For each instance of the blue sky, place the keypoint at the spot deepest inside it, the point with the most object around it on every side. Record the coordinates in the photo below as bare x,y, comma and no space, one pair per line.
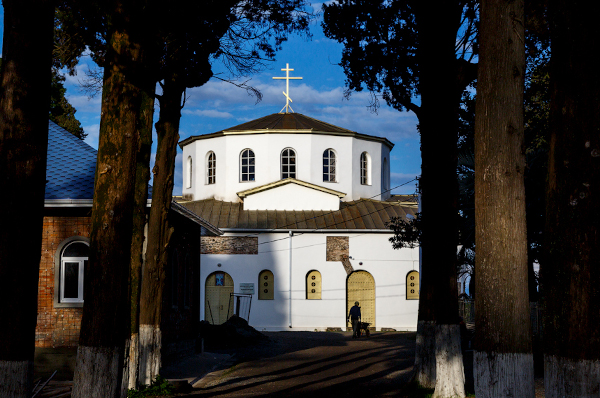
218,105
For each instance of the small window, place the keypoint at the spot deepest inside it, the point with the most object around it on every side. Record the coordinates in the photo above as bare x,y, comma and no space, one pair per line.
412,285
329,165
247,165
190,172
74,258
365,169
265,285
288,163
211,168
313,285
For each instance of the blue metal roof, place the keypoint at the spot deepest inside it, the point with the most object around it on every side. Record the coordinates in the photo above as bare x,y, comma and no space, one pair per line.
70,167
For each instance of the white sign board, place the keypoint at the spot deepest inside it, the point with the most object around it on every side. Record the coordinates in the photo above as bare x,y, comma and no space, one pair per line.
247,288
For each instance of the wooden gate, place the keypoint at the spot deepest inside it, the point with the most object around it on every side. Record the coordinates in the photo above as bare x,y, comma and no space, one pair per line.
218,305
361,287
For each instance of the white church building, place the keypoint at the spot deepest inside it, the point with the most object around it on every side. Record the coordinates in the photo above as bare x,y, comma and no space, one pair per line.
302,205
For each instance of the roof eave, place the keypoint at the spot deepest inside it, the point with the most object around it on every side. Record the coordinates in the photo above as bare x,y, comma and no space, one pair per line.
275,184
68,202
347,133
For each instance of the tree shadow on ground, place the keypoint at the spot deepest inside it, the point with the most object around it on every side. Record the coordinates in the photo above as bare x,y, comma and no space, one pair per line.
379,368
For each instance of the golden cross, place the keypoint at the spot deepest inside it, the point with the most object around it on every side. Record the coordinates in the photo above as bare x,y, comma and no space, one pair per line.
287,87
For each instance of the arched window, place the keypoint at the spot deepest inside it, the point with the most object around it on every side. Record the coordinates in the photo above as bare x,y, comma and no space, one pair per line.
313,285
190,173
288,163
211,168
412,285
329,165
265,285
73,259
365,169
247,165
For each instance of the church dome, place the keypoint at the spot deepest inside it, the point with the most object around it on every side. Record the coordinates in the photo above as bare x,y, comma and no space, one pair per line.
275,147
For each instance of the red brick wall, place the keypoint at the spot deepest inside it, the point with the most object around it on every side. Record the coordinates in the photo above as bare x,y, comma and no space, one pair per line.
57,326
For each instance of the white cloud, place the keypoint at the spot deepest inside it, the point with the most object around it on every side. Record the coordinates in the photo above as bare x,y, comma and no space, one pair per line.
93,132
404,182
207,113
85,104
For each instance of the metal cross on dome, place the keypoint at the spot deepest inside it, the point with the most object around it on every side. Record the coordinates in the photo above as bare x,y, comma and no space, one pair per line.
287,78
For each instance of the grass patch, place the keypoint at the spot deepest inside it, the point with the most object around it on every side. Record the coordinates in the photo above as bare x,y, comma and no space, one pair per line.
160,387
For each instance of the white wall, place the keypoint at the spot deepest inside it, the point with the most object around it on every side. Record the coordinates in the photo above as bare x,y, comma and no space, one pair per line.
292,197
389,268
267,149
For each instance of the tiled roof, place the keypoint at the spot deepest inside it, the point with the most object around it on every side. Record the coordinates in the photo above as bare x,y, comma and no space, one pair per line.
361,214
70,167
286,123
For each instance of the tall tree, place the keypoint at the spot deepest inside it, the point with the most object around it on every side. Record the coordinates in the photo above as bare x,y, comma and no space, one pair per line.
244,33
24,107
503,359
138,239
569,271
61,111
396,48
105,326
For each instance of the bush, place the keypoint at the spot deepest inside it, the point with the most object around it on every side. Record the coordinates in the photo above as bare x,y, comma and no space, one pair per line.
159,387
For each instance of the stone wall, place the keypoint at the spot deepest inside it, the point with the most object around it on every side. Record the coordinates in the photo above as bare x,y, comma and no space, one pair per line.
229,245
338,248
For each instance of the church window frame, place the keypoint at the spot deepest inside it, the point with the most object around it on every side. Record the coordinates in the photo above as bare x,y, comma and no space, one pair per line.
329,165
365,168
289,165
314,285
247,165
266,283
385,176
70,264
190,172
211,168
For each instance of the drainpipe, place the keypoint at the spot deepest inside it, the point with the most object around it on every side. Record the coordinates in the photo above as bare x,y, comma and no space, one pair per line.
290,309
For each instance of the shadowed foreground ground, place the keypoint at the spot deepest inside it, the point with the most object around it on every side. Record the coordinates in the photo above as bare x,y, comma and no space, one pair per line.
305,364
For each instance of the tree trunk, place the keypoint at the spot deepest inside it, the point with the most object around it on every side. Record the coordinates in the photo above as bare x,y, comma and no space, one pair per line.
159,231
104,325
569,272
425,350
438,124
138,241
24,108
503,360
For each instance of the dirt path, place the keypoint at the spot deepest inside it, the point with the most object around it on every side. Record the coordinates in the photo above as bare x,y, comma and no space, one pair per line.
303,364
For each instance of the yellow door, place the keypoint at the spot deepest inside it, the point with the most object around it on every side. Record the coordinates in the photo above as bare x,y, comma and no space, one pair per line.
218,303
361,288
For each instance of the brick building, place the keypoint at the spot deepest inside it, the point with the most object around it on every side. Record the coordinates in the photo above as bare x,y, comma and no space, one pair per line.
68,202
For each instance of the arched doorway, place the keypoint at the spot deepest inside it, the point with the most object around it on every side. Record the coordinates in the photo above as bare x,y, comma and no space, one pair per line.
218,304
360,287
